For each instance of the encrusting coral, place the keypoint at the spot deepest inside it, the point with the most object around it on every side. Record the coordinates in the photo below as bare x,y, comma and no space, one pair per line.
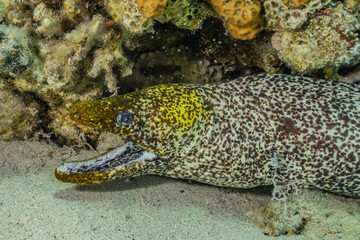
307,49
279,16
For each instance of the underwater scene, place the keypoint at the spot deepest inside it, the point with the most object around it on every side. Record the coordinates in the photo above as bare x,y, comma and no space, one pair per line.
180,119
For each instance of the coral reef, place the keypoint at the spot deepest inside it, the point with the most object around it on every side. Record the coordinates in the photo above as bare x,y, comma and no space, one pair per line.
354,8
242,18
67,74
18,118
65,51
233,55
307,49
139,16
63,60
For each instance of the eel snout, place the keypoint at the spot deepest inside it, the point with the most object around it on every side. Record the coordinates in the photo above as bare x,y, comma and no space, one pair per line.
127,161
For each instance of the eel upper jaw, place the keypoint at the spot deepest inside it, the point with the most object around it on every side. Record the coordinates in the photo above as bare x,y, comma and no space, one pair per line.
128,160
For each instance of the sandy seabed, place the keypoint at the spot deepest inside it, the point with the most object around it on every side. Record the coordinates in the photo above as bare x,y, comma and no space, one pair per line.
34,205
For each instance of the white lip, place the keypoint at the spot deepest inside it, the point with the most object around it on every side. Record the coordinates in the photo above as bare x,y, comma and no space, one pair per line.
126,154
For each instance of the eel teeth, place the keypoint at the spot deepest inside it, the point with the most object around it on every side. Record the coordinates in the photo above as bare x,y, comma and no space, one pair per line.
126,161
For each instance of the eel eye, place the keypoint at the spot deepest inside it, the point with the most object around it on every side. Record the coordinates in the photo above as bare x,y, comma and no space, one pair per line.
124,118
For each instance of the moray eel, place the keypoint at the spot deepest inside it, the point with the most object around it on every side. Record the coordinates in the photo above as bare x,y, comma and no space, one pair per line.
255,130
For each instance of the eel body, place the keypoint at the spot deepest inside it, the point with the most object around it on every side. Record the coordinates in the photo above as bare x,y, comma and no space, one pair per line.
256,130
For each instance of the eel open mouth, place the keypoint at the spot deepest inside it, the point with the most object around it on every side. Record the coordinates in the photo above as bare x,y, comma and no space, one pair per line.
126,161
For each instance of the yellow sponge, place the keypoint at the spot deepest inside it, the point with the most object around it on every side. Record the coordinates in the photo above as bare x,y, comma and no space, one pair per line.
151,8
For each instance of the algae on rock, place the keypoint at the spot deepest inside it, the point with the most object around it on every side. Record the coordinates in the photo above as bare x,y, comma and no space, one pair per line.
309,213
18,119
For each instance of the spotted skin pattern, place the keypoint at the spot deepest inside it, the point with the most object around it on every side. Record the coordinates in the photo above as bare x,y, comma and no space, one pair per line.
256,130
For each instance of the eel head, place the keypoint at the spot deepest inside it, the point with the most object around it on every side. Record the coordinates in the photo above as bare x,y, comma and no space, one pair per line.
155,121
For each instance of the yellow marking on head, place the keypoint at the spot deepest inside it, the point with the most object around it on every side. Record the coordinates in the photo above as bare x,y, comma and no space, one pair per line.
181,112
161,114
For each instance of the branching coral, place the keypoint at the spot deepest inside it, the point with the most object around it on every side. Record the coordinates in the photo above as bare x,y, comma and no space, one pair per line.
105,59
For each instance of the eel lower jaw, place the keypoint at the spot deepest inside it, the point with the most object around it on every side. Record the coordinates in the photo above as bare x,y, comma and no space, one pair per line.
126,161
